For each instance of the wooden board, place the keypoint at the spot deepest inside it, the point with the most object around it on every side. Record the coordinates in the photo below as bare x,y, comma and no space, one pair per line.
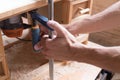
116,76
71,71
3,63
57,11
9,8
1,46
4,73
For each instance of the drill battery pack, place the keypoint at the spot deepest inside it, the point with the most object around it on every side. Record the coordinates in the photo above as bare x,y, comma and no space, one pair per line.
13,33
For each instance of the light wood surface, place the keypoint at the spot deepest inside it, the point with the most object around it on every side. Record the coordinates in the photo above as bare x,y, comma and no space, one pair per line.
71,71
4,69
3,64
71,9
9,8
1,46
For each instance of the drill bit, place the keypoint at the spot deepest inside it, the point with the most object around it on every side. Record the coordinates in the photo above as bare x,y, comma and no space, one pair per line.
51,17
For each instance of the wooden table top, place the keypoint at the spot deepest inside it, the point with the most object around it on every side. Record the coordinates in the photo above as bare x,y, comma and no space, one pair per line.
9,8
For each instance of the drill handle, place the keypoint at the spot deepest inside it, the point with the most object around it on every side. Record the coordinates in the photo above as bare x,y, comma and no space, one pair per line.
35,36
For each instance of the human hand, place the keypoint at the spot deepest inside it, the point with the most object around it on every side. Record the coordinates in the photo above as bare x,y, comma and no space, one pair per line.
60,47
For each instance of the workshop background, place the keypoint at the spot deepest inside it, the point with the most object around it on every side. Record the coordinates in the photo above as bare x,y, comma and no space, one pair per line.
20,62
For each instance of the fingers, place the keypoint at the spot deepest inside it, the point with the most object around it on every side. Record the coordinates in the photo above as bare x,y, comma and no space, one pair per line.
58,28
61,31
41,44
43,29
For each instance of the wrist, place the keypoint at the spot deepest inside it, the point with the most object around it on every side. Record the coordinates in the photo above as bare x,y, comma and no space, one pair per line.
68,27
80,52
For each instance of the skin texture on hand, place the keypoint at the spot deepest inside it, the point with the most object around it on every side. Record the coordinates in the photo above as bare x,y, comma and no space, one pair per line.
61,47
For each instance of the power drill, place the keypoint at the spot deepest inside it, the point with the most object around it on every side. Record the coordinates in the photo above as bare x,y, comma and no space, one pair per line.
12,27
35,28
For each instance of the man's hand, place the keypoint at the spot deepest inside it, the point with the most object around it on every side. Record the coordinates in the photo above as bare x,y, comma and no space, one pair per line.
60,47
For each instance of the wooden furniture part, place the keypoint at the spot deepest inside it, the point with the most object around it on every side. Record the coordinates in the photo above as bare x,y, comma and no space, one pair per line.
74,8
19,7
4,72
1,46
57,11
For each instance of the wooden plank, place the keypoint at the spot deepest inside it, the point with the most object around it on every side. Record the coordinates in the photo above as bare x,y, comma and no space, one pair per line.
71,71
116,76
19,6
70,9
5,73
57,11
79,1
66,11
1,46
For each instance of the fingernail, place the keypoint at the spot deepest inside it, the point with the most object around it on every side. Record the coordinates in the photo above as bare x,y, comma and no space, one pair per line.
49,22
36,47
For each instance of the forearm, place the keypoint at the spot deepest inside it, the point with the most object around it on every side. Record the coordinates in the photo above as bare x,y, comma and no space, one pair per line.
104,57
106,19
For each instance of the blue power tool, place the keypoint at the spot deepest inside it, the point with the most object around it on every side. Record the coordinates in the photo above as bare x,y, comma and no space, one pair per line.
35,27
36,31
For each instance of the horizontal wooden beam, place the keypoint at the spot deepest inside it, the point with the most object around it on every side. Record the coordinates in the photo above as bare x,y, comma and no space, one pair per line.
8,9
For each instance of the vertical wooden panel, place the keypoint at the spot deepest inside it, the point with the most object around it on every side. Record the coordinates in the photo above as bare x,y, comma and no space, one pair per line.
66,11
1,46
4,73
71,9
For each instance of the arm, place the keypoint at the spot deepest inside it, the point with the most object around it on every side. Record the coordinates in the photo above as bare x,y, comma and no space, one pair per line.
105,57
106,19
65,47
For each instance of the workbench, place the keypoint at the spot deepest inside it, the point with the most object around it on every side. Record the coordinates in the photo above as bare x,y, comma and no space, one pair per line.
8,9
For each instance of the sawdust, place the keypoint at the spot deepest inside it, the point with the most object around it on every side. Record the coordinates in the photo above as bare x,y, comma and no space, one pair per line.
22,60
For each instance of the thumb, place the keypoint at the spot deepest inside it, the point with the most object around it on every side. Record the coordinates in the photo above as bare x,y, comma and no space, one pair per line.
58,28
61,31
